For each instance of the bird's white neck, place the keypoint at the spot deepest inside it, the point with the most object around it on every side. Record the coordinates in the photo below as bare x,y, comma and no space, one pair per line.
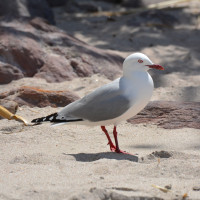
135,74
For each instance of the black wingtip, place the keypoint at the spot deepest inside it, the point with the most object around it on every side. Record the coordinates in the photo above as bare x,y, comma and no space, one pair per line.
53,118
44,119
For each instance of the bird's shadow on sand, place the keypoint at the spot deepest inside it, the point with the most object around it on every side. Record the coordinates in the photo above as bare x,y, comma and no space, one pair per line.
91,157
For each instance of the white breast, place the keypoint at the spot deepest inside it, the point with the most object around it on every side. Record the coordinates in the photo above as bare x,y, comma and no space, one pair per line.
139,90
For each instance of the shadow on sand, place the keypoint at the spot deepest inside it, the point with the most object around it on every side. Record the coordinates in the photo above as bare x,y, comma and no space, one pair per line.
90,157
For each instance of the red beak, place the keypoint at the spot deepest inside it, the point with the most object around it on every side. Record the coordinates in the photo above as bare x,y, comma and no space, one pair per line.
159,67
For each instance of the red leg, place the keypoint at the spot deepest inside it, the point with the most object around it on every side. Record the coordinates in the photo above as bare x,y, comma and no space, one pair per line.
112,146
116,140
117,150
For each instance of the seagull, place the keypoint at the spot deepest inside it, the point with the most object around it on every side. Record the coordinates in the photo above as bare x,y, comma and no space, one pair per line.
112,103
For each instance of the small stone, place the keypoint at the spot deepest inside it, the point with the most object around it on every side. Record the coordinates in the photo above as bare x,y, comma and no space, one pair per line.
196,188
169,187
162,154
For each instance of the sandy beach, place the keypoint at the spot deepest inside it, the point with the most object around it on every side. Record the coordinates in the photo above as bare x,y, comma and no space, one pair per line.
73,161
64,162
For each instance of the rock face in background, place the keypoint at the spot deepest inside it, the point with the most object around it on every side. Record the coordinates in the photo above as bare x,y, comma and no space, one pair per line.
14,9
31,96
56,3
73,6
156,18
37,49
8,73
89,6
170,114
132,3
126,3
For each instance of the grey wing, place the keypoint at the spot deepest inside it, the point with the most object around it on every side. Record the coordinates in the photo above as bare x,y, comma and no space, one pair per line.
107,102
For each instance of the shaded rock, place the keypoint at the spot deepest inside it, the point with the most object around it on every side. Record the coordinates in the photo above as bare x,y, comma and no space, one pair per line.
8,73
154,18
112,1
132,3
81,6
26,8
87,6
147,2
37,49
126,3
56,3
31,96
42,25
170,114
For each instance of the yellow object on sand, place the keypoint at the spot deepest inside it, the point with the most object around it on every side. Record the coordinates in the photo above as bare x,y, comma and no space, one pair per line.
161,188
8,115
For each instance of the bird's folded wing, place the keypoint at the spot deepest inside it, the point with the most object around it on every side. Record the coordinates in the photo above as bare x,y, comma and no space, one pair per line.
105,103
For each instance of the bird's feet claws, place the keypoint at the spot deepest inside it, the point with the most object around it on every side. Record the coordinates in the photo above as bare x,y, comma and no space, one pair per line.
114,149
119,151
112,146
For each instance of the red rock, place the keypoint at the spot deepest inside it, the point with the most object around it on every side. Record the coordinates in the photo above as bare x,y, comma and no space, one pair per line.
31,96
38,49
170,114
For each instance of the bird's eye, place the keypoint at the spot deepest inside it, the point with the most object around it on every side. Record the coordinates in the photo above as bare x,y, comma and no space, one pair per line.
140,61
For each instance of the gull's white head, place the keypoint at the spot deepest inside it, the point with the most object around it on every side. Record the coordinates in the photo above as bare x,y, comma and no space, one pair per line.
139,62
